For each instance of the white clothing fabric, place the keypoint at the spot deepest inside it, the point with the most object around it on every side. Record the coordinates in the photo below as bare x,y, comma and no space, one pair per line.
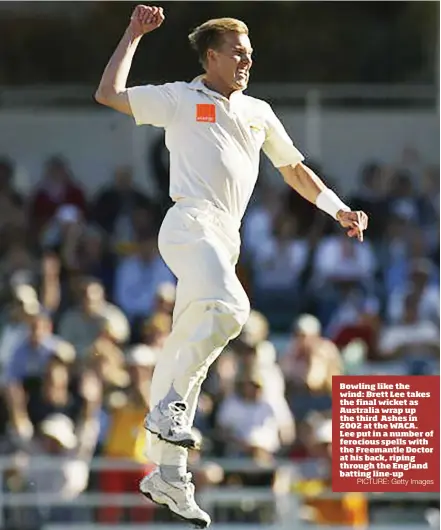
428,307
201,246
339,258
81,329
69,478
253,422
420,334
214,145
274,394
257,229
279,265
214,142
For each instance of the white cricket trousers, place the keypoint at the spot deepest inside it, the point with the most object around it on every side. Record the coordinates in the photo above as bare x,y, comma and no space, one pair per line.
200,244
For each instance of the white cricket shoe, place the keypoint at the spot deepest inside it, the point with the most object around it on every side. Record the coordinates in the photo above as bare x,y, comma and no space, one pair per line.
172,425
177,496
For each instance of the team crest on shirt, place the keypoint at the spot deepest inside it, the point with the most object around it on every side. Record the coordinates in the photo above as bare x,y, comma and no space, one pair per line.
206,112
255,126
257,130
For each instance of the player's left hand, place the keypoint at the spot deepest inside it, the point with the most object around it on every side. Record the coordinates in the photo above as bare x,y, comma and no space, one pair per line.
357,223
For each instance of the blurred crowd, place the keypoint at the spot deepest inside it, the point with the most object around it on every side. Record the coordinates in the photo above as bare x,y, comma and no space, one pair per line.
87,303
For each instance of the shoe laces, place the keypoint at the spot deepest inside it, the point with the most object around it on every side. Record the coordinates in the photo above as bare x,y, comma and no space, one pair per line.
179,414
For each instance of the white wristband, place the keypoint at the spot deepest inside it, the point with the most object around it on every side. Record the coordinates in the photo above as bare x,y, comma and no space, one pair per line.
328,201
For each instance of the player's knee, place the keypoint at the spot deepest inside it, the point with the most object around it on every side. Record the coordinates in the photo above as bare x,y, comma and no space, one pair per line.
242,312
233,316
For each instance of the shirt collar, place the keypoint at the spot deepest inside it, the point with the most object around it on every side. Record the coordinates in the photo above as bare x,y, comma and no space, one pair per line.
199,85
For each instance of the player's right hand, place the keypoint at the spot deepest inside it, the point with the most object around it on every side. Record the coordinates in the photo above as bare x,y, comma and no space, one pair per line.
357,223
145,19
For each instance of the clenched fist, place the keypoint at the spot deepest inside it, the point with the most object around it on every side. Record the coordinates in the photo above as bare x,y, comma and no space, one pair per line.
357,223
145,19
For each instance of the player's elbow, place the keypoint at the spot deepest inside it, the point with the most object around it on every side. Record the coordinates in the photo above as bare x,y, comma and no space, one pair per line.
291,173
101,98
105,94
114,99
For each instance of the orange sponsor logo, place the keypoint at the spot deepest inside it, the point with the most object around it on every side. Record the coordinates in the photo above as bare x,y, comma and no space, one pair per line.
206,112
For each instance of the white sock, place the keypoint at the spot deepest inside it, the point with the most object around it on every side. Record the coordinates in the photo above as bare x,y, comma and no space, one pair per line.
172,473
173,462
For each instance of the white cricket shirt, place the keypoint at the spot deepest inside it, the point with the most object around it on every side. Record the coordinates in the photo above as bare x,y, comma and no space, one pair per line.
214,142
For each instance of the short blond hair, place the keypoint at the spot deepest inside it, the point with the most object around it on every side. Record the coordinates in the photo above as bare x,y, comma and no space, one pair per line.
210,34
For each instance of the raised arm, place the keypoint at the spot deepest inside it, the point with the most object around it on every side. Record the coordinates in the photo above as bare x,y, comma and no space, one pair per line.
112,90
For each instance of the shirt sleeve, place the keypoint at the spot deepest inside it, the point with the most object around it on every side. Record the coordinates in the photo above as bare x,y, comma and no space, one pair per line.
154,104
278,146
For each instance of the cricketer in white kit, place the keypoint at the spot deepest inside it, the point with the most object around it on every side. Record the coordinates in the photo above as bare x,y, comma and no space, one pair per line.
214,134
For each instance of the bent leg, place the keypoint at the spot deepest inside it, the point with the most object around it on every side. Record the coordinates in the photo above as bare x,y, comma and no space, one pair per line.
211,309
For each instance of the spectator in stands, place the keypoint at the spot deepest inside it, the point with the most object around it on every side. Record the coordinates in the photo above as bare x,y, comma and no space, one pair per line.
18,266
277,266
421,271
113,206
222,378
165,298
95,259
248,426
56,462
125,436
415,339
411,161
55,189
55,395
247,423
144,223
107,359
402,199
155,330
308,366
66,223
259,219
138,278
79,246
397,269
141,224
7,188
393,251
25,369
356,317
255,352
82,324
220,384
340,261
15,322
14,327
349,509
